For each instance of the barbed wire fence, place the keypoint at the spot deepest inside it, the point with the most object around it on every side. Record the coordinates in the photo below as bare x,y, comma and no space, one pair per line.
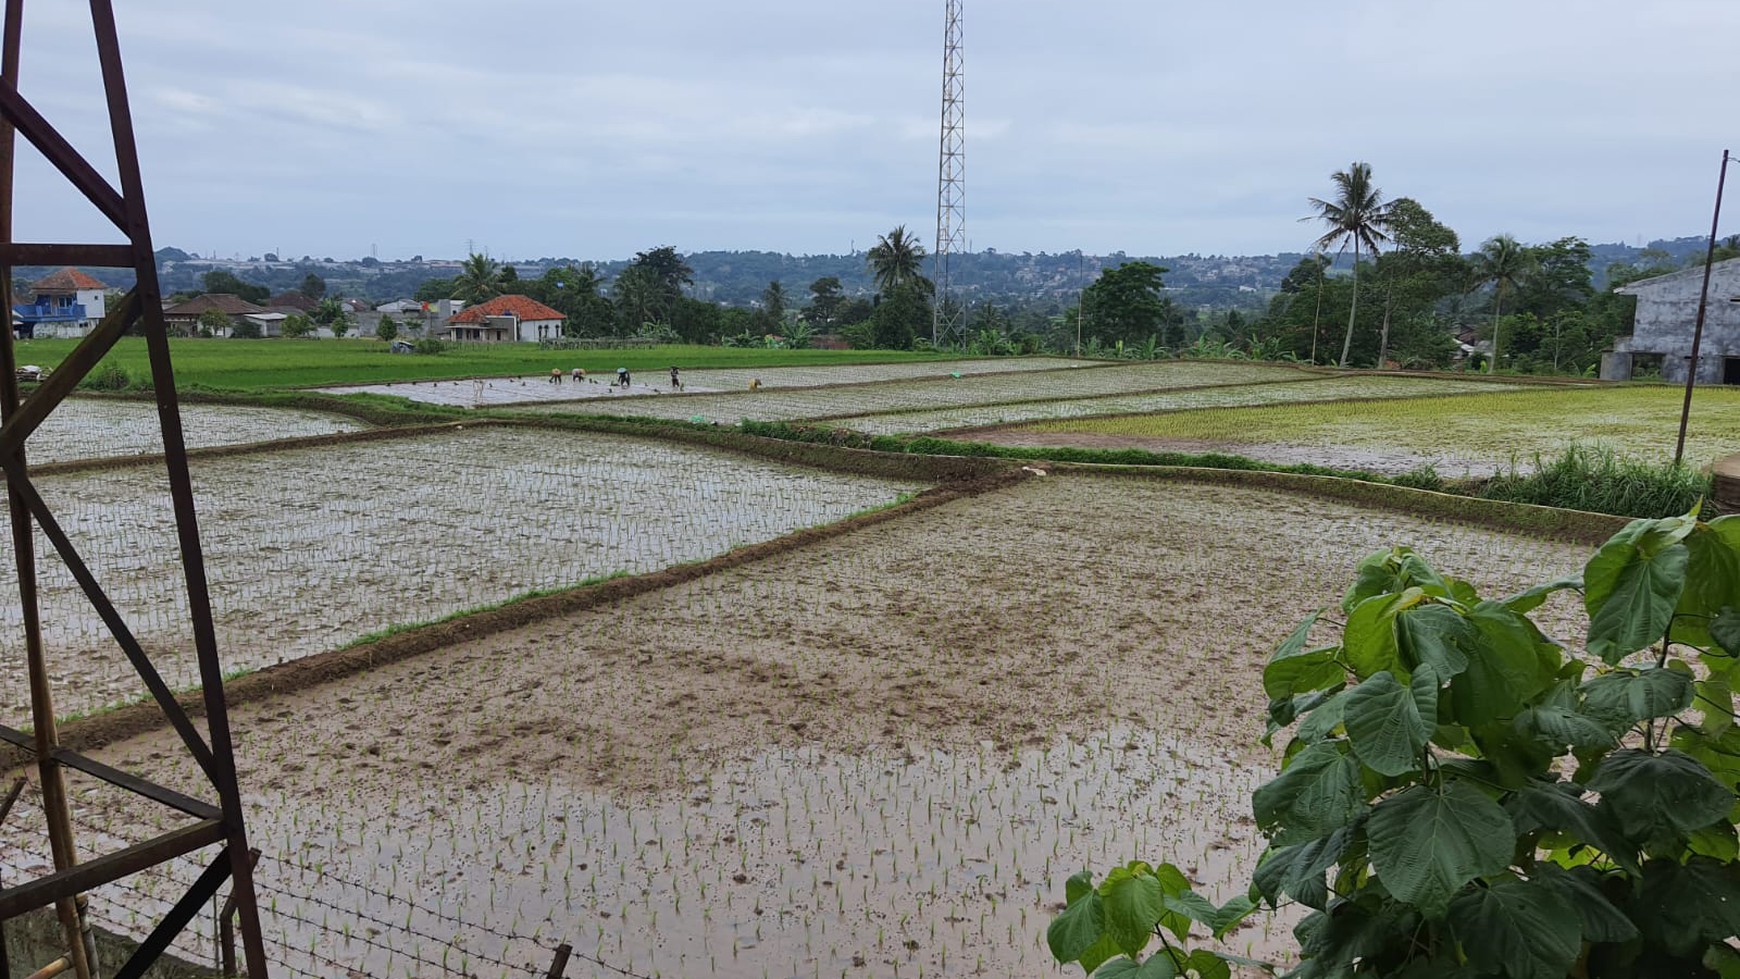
318,924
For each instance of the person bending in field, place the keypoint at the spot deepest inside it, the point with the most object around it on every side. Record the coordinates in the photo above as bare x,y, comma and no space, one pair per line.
676,385
579,374
755,384
622,377
555,375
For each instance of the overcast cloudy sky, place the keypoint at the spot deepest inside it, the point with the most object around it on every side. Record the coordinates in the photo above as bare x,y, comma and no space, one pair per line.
591,130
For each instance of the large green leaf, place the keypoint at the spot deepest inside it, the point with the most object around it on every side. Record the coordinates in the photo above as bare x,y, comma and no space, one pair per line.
1302,670
1317,793
1436,636
1231,914
1323,719
1632,586
1580,887
1298,871
1158,966
1659,796
1078,886
1134,901
1559,806
1520,929
1528,601
1630,696
1505,666
1559,728
1077,929
1393,571
1389,724
1712,580
1725,630
1208,965
1369,639
1685,907
1427,843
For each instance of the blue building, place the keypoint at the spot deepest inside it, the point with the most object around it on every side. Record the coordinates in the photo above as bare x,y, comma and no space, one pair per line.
67,303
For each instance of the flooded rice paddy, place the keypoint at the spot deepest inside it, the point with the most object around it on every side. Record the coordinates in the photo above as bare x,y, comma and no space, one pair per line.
311,548
879,756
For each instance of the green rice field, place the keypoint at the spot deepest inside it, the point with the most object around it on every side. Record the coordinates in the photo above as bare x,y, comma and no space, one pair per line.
1480,430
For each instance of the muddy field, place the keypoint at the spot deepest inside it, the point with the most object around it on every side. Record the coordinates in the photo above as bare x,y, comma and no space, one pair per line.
312,548
836,402
878,757
89,428
487,392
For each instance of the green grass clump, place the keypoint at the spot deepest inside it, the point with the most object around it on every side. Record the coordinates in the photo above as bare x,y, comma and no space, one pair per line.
1598,479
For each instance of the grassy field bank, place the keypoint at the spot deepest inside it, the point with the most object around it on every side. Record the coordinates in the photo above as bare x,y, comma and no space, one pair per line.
249,365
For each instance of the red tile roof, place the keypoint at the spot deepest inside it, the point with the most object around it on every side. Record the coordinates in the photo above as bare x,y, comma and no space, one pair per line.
66,280
223,302
519,307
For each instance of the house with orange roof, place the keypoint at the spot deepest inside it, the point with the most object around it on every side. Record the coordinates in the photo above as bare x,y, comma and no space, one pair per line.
67,303
506,319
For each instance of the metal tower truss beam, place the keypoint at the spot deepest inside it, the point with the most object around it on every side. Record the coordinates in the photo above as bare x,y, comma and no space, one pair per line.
949,318
212,825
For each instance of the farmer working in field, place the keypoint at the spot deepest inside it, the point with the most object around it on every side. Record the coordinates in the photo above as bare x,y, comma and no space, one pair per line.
555,375
755,384
579,374
676,385
622,377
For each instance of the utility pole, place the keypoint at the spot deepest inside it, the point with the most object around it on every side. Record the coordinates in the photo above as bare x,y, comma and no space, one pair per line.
948,327
1703,303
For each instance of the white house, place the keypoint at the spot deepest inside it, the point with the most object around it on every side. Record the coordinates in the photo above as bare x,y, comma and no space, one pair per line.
505,319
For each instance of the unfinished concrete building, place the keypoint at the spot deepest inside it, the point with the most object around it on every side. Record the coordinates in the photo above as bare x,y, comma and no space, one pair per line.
1660,344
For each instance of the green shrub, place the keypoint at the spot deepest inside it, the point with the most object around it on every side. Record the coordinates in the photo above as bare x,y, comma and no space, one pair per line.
429,345
245,330
107,376
1463,797
1595,478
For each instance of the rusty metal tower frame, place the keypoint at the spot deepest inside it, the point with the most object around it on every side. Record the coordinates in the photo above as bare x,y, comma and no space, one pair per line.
141,310
948,327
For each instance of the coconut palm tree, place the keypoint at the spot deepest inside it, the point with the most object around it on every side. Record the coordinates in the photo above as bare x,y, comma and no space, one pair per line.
479,279
1502,262
1358,214
897,259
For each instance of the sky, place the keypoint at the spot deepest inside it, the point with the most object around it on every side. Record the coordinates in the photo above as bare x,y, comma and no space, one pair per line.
582,129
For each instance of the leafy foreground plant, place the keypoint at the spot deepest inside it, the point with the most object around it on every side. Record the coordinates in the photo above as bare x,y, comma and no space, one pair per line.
1464,797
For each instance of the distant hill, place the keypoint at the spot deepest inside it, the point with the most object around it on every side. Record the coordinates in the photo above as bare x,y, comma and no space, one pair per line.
738,278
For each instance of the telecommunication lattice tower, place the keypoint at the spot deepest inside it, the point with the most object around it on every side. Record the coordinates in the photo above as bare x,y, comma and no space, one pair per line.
205,824
949,316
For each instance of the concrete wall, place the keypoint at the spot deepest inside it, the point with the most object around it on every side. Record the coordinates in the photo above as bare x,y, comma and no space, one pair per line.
34,940
1667,311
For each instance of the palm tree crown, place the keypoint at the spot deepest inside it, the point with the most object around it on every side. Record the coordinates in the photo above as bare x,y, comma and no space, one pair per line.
897,259
1358,214
1503,262
479,280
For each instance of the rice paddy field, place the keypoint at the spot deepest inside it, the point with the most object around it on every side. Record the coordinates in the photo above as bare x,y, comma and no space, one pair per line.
89,428
1461,435
965,422
874,752
811,403
310,548
501,391
879,756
